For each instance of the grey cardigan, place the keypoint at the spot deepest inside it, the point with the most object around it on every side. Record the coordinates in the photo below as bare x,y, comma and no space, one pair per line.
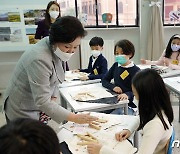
34,81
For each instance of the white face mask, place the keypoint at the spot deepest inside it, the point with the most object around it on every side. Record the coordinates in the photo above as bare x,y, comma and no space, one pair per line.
95,53
63,55
54,14
136,102
175,47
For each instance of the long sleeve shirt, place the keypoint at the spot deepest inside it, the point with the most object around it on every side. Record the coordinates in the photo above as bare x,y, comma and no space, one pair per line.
122,78
154,139
174,60
98,69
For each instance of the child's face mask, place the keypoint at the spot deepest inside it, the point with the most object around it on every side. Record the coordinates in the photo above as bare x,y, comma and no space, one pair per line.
121,59
95,53
175,47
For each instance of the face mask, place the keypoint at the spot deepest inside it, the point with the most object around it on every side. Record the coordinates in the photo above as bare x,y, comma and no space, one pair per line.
95,53
63,55
121,59
54,14
136,102
175,47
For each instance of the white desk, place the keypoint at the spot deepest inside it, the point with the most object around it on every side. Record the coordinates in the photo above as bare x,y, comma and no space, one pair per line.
78,82
84,106
105,136
173,84
169,72
72,79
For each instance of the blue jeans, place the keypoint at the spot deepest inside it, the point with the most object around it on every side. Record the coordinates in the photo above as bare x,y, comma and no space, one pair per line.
120,111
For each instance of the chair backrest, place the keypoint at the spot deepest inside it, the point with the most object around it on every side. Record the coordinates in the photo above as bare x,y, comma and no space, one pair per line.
169,151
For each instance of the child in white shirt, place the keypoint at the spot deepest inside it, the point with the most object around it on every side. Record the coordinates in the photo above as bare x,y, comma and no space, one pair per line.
171,56
155,116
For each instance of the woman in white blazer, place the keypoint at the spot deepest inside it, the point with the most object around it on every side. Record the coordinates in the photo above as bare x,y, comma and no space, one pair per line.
34,83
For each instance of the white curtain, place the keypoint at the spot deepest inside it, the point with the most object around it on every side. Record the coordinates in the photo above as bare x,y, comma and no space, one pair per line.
155,45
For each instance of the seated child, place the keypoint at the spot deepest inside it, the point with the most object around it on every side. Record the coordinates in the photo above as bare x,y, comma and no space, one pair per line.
97,66
27,136
155,116
122,72
171,56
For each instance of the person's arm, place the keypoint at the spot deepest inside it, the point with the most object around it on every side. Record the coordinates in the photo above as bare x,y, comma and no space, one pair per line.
152,134
87,70
39,73
160,61
38,33
130,95
103,72
56,92
106,81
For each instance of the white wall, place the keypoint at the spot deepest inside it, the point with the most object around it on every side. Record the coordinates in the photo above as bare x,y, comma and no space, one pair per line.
137,35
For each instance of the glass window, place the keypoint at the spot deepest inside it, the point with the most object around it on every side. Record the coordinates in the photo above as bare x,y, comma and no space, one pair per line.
171,12
106,6
87,12
127,12
99,13
67,7
120,7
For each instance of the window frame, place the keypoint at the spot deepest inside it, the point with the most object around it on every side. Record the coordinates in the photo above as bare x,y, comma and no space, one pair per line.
163,15
117,23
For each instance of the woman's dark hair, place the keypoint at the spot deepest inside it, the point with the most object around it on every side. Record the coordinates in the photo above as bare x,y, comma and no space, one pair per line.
47,16
153,97
27,136
168,51
127,47
95,41
65,30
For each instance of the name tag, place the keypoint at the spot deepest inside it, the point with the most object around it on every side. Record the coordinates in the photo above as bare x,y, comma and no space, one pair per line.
124,74
175,62
95,71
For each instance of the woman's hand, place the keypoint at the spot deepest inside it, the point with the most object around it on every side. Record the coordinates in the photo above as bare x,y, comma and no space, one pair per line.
117,90
94,148
143,61
124,134
81,118
122,97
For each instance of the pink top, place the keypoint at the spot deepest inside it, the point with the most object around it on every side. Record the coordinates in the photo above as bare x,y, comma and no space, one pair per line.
174,60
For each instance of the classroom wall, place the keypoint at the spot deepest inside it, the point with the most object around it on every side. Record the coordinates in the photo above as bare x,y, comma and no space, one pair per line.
137,35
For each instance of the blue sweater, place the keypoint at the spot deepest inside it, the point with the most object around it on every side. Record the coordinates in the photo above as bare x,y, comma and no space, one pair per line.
125,84
99,68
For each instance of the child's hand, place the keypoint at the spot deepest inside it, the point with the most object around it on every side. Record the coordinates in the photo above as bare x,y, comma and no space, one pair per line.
94,148
74,71
117,90
143,61
166,62
84,78
122,97
124,134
